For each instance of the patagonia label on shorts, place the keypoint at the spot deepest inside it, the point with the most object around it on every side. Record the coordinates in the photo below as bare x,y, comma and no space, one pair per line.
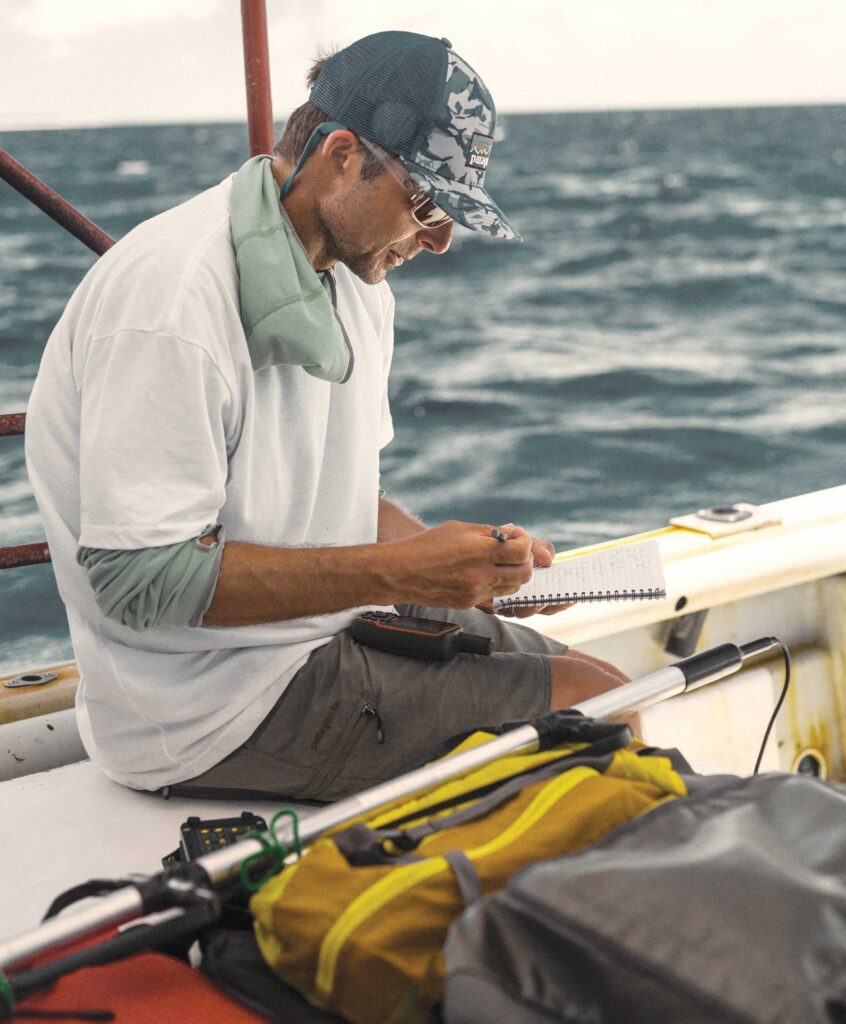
326,724
480,151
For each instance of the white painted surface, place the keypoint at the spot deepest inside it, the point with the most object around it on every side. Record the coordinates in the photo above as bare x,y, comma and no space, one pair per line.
39,743
720,728
69,825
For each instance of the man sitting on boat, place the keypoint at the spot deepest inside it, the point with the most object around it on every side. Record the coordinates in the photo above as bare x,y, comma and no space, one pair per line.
203,442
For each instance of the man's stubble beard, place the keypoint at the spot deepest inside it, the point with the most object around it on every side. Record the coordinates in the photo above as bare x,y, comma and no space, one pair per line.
338,245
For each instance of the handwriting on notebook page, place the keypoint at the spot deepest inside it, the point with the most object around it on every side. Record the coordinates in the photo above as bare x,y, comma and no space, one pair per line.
629,572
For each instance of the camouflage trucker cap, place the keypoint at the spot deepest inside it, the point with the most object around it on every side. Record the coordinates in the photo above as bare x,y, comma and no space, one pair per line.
415,97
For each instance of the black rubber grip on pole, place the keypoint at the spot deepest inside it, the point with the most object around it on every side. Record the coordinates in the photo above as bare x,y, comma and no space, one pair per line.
704,664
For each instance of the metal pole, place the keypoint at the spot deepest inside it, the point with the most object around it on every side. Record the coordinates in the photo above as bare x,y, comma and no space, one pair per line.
20,554
691,673
24,554
257,76
53,205
12,423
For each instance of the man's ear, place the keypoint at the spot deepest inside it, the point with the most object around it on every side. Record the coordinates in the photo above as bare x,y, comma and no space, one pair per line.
340,150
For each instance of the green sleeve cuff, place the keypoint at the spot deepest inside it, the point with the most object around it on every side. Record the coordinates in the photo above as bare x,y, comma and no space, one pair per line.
171,585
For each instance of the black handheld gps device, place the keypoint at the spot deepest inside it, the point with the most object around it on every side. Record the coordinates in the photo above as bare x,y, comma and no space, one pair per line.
419,638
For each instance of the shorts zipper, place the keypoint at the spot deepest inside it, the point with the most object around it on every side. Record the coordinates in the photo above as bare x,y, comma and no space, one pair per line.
369,710
366,710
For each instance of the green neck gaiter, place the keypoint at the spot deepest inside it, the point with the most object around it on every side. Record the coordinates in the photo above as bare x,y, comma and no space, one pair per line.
286,312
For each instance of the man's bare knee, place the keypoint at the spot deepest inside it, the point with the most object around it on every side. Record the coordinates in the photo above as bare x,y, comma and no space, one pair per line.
577,677
606,666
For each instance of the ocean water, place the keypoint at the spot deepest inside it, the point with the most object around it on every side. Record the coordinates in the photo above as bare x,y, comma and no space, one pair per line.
669,335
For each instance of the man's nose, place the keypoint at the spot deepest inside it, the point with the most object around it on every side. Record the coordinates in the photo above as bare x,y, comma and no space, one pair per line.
436,240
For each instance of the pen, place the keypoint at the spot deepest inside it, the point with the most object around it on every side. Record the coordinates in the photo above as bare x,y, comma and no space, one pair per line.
498,535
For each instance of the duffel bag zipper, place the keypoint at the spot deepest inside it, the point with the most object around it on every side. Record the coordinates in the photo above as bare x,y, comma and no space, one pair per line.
400,879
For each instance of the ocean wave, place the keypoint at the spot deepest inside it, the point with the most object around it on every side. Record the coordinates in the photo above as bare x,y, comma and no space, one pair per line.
597,260
133,168
710,226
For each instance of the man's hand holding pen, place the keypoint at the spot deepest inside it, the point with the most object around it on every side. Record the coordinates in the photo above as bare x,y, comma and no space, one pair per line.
543,553
464,565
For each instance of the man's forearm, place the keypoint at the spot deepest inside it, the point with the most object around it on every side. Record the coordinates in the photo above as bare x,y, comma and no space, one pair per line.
454,565
395,523
263,584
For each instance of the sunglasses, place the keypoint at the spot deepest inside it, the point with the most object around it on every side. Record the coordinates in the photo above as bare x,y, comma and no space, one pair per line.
424,210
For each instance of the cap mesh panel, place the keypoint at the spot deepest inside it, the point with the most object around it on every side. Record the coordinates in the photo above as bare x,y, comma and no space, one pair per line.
389,98
392,88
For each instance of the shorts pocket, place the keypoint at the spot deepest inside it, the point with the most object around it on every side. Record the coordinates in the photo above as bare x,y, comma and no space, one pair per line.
362,721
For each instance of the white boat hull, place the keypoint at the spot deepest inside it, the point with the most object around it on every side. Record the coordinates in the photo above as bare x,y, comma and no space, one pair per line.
784,580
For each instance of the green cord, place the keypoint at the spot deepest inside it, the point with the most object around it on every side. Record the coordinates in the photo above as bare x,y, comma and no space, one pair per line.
6,993
270,844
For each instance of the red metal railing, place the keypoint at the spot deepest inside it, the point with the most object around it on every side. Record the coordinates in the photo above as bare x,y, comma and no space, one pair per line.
24,554
257,76
12,423
53,205
260,127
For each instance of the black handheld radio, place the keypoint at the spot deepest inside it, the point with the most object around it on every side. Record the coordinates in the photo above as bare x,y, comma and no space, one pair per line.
419,638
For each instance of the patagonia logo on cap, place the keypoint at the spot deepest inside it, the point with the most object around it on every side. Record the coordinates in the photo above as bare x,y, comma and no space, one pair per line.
480,151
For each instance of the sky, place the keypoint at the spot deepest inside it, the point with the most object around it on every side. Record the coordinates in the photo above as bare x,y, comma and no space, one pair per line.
66,63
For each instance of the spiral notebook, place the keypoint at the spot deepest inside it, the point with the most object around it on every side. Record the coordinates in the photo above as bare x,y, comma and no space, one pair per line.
630,572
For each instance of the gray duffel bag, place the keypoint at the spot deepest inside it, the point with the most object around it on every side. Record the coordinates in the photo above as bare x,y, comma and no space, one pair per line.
726,906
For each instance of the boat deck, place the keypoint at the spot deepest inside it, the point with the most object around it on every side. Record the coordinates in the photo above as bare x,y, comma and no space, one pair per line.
72,824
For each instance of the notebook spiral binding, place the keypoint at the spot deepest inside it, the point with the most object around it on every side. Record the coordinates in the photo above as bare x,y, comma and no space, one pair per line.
583,597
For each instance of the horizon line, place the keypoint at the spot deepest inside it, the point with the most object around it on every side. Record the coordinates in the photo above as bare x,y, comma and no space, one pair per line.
56,125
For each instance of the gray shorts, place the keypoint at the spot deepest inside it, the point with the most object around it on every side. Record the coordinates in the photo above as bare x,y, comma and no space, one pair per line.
354,715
